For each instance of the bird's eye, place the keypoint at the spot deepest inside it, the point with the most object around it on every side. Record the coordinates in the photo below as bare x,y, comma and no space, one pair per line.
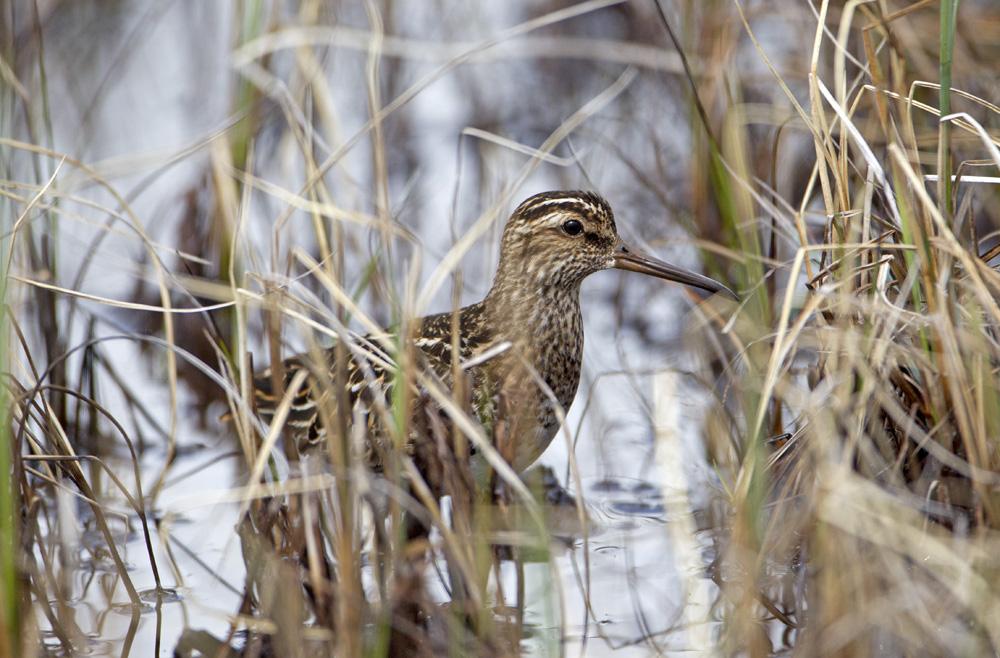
573,227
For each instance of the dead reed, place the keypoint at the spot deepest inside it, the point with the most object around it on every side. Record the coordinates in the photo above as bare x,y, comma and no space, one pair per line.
837,163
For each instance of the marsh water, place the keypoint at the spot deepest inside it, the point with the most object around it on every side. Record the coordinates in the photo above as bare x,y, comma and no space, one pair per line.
640,595
138,90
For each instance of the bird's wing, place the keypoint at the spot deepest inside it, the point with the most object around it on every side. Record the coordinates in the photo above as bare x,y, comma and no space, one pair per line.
366,370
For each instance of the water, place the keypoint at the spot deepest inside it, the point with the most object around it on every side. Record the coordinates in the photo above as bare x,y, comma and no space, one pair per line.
157,80
636,586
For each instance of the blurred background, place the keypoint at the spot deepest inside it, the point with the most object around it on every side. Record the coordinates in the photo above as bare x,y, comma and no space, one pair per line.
200,155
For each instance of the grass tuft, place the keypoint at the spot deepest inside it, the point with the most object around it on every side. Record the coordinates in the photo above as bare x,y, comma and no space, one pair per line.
836,163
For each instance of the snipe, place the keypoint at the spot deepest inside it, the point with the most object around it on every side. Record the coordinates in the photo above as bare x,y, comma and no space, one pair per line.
520,348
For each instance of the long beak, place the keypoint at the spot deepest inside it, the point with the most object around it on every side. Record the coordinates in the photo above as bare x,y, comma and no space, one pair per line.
627,258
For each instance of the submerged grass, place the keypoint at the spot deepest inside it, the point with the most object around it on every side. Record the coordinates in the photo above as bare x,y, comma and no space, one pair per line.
843,177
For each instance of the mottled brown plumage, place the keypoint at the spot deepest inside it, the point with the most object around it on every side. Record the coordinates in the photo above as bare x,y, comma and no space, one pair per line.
520,348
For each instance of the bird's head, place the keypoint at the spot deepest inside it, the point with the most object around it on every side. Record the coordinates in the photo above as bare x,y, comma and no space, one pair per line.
560,238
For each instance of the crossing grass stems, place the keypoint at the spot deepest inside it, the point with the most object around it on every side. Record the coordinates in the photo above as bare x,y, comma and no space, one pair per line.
853,433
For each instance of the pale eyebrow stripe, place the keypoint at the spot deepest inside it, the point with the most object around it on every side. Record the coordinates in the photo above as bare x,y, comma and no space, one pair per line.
560,204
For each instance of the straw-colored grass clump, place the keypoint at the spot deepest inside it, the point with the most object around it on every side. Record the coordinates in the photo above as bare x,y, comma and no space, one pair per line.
836,163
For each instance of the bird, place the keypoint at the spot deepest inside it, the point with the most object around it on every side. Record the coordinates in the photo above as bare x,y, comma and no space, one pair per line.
519,349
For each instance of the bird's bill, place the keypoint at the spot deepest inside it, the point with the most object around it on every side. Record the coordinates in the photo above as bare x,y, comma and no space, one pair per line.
627,258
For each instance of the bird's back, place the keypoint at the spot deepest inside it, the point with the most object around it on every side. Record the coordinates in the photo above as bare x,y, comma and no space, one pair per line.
368,377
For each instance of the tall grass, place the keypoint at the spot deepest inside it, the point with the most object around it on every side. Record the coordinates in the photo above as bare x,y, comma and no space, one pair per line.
10,581
860,462
838,167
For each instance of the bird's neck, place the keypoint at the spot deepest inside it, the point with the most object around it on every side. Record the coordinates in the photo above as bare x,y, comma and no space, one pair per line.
545,327
530,289
530,312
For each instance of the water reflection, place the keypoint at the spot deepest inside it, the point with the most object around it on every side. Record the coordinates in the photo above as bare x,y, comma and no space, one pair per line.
618,584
